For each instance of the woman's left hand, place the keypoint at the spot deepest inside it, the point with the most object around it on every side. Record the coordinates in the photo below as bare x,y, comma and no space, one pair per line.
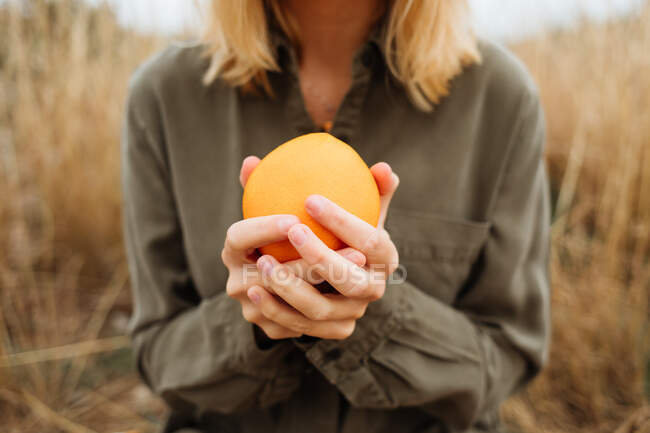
331,316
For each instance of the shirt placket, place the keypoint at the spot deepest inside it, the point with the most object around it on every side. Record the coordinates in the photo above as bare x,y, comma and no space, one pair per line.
347,119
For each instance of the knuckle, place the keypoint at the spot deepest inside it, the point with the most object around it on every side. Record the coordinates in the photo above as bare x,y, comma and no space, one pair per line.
393,262
360,258
251,315
303,327
361,311
314,279
270,312
345,330
377,292
274,333
384,237
370,291
231,237
297,268
361,285
320,258
284,277
231,287
319,313
371,296
315,273
226,257
288,333
374,241
350,328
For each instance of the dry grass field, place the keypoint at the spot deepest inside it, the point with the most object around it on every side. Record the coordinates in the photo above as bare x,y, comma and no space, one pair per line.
64,362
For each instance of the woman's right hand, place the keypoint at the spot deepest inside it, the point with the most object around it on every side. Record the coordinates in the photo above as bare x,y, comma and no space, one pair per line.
240,255
242,239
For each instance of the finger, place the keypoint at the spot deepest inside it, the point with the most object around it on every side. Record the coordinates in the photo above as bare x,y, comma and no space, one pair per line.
285,316
236,285
306,298
277,332
274,331
387,182
373,242
346,277
382,172
384,201
304,270
248,165
241,278
244,236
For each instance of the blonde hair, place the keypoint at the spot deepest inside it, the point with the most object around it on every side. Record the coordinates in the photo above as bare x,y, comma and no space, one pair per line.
426,43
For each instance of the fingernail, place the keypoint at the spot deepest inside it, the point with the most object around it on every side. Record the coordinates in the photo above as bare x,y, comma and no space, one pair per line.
298,236
287,222
265,265
353,256
254,296
314,205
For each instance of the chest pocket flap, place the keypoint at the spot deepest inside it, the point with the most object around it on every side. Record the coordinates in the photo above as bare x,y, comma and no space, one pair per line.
436,251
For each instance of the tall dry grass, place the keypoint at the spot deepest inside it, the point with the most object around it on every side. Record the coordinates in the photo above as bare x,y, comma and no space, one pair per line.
595,85
63,76
64,69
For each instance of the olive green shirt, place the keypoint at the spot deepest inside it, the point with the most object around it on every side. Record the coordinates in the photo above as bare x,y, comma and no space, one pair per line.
440,351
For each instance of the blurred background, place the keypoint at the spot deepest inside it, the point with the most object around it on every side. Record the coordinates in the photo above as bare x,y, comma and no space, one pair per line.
65,363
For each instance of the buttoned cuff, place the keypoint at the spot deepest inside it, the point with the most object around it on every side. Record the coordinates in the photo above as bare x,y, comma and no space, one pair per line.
344,362
259,360
275,365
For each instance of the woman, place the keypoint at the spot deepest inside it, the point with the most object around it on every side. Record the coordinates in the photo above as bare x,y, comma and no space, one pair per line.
400,81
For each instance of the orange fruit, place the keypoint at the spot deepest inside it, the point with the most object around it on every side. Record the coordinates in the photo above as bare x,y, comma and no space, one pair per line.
317,163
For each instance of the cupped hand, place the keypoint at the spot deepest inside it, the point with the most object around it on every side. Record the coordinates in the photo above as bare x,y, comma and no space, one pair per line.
302,308
239,255
242,238
299,266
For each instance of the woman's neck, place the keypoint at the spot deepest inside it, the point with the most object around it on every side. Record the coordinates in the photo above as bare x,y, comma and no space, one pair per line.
331,30
330,33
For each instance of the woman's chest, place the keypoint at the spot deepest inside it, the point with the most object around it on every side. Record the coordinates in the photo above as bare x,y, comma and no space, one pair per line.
437,218
323,90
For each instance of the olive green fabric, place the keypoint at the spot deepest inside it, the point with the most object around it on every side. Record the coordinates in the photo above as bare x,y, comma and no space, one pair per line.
441,350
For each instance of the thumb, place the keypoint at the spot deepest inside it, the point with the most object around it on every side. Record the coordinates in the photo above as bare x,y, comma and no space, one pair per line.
387,182
247,167
385,201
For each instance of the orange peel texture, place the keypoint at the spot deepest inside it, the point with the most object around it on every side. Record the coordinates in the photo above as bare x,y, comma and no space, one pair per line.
317,163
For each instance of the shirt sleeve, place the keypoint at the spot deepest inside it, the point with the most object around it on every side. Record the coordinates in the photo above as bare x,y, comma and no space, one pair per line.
460,362
197,353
